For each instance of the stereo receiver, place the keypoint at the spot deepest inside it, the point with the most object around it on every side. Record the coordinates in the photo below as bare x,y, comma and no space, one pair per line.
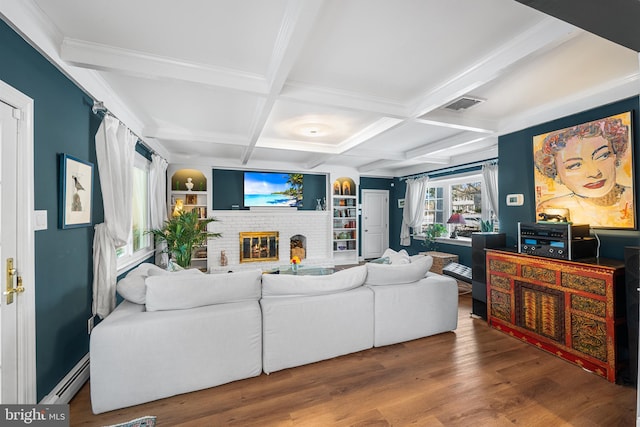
556,240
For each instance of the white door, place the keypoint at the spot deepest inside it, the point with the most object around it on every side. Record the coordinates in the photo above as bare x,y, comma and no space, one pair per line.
17,310
375,223
9,304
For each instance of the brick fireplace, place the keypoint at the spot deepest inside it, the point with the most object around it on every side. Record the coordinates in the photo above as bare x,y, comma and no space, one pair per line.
314,226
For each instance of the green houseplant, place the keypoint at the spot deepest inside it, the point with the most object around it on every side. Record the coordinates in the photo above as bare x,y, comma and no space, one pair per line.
182,233
430,233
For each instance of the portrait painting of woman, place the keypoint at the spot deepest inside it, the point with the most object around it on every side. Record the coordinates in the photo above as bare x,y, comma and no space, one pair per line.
587,169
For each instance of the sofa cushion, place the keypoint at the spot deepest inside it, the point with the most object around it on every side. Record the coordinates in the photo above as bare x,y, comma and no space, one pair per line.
294,285
132,287
396,274
182,291
400,257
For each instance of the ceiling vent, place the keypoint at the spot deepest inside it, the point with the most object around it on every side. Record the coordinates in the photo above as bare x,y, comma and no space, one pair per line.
463,103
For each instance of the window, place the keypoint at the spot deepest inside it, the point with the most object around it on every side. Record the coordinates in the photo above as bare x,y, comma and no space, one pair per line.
139,244
462,194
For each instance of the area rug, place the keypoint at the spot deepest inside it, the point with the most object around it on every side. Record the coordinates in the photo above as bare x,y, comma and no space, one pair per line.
147,421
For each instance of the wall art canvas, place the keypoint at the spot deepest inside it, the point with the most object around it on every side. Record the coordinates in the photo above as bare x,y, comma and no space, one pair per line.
585,174
76,192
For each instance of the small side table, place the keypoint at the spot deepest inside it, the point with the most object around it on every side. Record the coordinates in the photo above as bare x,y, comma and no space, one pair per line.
440,259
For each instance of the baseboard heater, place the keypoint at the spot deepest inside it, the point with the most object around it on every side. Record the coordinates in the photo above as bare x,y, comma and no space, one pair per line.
70,384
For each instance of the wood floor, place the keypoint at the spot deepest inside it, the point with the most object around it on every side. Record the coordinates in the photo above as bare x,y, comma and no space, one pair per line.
476,376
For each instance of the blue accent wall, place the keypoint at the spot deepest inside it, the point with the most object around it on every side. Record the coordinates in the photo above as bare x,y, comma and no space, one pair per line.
516,175
63,123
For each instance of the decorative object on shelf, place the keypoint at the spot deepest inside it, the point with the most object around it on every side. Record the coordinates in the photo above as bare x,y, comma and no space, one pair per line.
192,199
456,219
76,192
324,203
182,233
295,262
178,208
223,258
177,185
318,204
346,188
189,184
336,188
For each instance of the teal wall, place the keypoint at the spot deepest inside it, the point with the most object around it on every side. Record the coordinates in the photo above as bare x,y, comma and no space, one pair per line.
228,189
63,124
516,175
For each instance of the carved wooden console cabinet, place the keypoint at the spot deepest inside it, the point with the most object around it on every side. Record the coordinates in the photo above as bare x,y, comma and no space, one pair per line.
574,310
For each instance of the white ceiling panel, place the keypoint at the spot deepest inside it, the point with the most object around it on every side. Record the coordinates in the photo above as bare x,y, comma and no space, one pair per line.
315,84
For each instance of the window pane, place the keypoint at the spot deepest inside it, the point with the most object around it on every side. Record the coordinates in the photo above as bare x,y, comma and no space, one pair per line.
140,209
466,198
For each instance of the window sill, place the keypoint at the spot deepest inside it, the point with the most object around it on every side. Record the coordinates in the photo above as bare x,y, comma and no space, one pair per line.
460,241
126,264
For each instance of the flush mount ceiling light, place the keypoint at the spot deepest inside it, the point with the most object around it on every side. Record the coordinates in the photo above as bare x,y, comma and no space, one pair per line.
312,130
314,127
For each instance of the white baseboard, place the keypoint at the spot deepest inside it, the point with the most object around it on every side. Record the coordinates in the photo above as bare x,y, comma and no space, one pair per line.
64,391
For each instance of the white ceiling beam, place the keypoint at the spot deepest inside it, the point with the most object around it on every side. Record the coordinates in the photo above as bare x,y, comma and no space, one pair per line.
101,57
297,24
173,134
461,121
458,140
547,34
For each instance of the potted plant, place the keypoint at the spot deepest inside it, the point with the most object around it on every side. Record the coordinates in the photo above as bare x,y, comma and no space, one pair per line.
182,232
430,233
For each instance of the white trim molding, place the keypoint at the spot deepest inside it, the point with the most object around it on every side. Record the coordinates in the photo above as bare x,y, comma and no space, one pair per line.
64,391
26,249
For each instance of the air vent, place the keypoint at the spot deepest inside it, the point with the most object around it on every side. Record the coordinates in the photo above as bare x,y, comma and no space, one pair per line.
463,103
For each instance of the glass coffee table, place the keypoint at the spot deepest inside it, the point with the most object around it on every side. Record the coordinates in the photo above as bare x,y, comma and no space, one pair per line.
303,270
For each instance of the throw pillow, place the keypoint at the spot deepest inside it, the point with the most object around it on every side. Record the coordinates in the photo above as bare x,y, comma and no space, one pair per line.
397,274
183,291
400,257
294,285
133,288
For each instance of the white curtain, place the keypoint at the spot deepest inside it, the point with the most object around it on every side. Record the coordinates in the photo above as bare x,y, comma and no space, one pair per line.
158,202
115,150
413,212
490,202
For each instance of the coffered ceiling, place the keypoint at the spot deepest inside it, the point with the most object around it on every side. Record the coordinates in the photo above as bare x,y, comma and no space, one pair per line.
310,84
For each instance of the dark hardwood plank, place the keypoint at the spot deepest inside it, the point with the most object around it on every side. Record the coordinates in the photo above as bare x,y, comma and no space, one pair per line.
475,376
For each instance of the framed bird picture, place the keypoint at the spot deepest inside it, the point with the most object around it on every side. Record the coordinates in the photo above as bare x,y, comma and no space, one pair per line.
76,192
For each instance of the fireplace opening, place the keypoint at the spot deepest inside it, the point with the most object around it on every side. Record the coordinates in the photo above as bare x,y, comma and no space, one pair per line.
298,245
258,246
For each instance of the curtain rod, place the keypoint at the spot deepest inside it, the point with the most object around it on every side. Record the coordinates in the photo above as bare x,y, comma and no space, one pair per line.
451,169
98,107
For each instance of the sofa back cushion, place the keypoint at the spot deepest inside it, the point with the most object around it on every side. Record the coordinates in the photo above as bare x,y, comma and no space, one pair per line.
397,274
132,287
171,292
294,285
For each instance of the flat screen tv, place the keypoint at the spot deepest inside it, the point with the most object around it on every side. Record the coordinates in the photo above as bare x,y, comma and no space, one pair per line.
272,189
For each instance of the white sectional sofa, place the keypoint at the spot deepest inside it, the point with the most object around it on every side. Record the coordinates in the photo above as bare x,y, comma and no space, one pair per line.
195,331
181,332
306,319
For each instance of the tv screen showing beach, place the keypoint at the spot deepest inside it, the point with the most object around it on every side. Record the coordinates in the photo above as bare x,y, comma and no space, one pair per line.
272,189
